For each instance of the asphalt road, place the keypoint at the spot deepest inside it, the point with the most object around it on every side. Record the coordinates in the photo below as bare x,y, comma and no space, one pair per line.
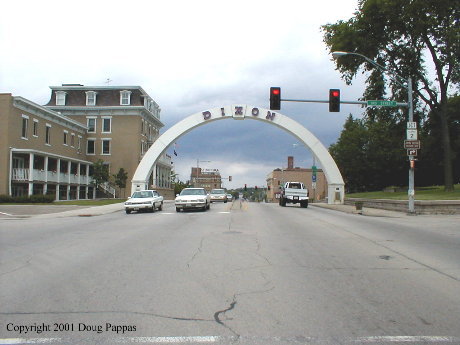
237,274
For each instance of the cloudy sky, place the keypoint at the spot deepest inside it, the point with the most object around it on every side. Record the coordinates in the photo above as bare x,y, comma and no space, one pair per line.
189,56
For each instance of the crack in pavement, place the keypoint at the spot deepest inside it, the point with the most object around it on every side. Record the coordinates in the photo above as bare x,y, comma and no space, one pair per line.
180,318
219,321
196,253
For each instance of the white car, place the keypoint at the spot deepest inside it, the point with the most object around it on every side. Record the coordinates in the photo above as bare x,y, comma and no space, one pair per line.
148,200
229,197
218,195
193,198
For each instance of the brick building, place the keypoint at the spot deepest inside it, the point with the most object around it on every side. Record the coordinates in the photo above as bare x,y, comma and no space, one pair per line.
279,176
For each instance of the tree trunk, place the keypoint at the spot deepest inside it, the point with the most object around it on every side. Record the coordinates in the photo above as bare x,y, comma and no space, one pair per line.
447,149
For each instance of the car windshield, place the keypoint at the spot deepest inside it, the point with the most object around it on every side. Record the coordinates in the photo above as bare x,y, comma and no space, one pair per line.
143,194
218,191
193,192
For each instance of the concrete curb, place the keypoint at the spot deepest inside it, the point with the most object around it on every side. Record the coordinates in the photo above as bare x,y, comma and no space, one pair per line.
371,212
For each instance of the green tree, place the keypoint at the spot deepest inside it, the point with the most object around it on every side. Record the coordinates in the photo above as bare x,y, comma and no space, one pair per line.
120,179
100,173
405,36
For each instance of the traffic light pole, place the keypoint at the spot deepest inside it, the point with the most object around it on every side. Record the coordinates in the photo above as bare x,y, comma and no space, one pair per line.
398,104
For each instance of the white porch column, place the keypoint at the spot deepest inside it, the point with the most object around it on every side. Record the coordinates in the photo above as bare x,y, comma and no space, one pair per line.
58,172
45,186
79,181
31,174
69,165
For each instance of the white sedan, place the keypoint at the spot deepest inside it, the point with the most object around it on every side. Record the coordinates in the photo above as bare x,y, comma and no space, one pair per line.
193,198
144,200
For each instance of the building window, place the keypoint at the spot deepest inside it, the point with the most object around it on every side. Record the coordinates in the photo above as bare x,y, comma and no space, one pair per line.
105,146
79,143
60,97
91,124
48,134
35,128
65,137
91,147
90,98
25,126
125,97
106,125
72,140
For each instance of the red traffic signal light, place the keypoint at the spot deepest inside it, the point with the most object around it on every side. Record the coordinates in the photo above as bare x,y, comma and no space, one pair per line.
275,98
334,100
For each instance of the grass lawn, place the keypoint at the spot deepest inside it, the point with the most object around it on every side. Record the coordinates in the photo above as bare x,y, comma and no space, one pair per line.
421,193
98,202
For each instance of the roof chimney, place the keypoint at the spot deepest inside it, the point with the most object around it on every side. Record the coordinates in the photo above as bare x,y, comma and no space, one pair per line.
290,162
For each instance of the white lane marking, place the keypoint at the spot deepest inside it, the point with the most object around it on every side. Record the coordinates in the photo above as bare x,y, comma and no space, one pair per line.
6,214
224,212
215,339
174,340
402,339
29,341
166,213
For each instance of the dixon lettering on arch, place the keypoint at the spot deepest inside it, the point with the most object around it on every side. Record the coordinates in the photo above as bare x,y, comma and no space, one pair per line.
238,112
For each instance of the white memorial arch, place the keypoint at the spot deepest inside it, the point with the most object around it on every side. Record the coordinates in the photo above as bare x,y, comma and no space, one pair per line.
241,112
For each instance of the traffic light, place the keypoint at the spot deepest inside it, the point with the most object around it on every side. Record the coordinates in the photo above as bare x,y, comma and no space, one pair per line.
245,188
256,187
334,100
230,179
275,98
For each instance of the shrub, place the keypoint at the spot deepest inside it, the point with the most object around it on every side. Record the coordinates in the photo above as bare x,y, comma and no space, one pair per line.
6,198
25,199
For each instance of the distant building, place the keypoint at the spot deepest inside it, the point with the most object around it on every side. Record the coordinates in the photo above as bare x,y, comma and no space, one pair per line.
279,176
205,178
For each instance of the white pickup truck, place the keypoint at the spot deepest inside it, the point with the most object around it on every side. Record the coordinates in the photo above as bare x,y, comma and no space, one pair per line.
293,193
149,200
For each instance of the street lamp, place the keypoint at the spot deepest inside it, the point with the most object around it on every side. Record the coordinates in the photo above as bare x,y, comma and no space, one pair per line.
407,84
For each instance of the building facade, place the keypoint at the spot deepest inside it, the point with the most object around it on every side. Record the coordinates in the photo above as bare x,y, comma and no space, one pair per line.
41,152
122,123
54,146
206,178
279,176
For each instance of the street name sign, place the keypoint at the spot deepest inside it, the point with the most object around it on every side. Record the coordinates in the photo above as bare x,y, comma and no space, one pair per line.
381,103
412,144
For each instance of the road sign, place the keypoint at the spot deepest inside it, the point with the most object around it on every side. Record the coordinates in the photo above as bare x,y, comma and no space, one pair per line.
412,144
411,134
412,125
411,152
381,103
313,178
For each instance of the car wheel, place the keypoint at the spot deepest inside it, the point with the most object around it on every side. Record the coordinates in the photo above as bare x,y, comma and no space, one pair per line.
225,201
304,204
128,211
209,206
161,207
177,209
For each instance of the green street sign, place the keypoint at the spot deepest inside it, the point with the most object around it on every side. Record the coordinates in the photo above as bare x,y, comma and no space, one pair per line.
382,103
